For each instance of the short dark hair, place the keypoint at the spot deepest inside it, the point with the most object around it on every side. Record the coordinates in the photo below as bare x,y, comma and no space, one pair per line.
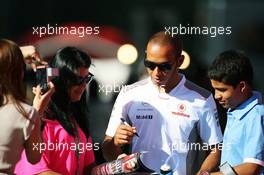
231,67
163,38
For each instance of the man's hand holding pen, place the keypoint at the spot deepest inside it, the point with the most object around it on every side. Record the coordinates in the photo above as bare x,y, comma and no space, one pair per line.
124,122
124,133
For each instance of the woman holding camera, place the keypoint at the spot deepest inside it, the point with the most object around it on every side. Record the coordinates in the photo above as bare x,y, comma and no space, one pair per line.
19,122
68,147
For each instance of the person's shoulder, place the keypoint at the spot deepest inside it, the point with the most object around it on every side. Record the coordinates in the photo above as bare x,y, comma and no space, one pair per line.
52,129
51,123
30,110
255,114
255,118
27,107
259,109
196,89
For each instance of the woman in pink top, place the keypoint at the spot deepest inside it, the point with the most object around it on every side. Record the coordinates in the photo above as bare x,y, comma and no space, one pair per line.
68,148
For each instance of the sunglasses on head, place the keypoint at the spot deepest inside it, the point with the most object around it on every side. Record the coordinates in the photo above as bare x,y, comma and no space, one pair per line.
162,66
81,80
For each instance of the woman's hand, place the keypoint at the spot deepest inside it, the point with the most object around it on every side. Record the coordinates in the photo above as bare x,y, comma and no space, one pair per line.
41,101
31,56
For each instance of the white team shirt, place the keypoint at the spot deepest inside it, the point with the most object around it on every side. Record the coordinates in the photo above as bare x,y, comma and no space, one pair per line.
169,124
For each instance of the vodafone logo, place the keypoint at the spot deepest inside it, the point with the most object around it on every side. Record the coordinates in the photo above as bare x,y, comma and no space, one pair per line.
181,107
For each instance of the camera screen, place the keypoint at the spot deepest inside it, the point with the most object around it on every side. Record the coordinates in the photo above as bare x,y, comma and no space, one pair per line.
41,78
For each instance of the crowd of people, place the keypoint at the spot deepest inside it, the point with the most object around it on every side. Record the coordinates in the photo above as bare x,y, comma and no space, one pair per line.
166,115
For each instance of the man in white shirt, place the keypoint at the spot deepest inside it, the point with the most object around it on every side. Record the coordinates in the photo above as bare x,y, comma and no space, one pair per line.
169,113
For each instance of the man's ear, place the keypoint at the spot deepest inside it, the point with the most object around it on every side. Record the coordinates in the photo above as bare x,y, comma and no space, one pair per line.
180,60
242,86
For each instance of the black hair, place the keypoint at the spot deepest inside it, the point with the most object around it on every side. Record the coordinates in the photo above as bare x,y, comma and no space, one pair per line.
231,67
68,60
162,38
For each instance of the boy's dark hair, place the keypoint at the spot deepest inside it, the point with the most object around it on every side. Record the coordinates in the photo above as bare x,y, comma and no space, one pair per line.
231,67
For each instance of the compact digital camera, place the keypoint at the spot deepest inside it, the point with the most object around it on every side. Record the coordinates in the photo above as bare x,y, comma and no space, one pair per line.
44,75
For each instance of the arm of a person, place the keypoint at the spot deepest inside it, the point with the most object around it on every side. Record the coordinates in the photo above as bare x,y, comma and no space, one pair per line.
117,135
112,145
243,169
32,153
110,150
31,56
40,102
88,169
210,133
253,148
212,161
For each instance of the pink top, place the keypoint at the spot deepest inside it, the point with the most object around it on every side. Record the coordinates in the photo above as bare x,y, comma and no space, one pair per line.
59,152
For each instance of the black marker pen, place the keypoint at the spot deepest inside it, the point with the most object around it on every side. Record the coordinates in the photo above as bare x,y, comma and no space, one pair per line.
123,121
